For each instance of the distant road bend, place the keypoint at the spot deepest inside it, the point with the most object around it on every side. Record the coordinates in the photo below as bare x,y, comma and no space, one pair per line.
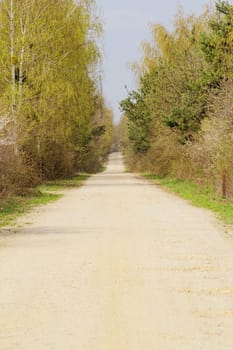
118,264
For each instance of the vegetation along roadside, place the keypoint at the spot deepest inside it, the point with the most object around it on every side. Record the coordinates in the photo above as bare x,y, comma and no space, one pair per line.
54,121
178,122
202,197
44,194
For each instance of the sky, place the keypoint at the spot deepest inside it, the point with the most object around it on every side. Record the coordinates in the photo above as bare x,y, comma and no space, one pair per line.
126,25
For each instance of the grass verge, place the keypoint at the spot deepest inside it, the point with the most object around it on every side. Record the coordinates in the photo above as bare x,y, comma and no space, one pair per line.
41,195
198,196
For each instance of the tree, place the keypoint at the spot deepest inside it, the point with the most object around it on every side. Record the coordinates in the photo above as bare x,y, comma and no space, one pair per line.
49,86
139,119
217,42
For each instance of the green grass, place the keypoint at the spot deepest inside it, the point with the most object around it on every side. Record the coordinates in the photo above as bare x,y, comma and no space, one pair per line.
59,185
198,196
41,195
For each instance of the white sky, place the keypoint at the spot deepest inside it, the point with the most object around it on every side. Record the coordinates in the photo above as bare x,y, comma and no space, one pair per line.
126,25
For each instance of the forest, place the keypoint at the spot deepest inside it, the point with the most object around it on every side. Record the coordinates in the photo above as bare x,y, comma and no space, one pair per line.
179,122
53,118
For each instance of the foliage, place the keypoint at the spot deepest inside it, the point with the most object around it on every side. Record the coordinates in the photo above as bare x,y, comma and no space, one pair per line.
52,112
138,120
185,90
217,43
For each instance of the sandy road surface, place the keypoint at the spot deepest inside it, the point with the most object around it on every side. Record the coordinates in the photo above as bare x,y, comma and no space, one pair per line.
117,265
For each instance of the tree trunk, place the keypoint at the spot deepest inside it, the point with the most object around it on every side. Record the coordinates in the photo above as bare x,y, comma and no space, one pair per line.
21,63
224,183
13,70
12,54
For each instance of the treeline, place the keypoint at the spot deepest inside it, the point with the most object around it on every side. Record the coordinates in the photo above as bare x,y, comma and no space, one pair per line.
53,119
179,122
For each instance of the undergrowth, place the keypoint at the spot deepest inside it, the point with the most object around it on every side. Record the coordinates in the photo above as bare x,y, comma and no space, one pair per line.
49,191
198,196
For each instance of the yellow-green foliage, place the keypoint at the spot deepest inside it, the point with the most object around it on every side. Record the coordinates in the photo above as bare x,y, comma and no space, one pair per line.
182,110
49,85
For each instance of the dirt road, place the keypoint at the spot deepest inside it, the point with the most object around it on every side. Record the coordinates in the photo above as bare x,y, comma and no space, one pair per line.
118,264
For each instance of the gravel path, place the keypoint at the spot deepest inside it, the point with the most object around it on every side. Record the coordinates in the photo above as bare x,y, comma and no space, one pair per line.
118,264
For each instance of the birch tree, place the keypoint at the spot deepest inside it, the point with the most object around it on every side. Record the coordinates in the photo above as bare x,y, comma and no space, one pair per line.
50,82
